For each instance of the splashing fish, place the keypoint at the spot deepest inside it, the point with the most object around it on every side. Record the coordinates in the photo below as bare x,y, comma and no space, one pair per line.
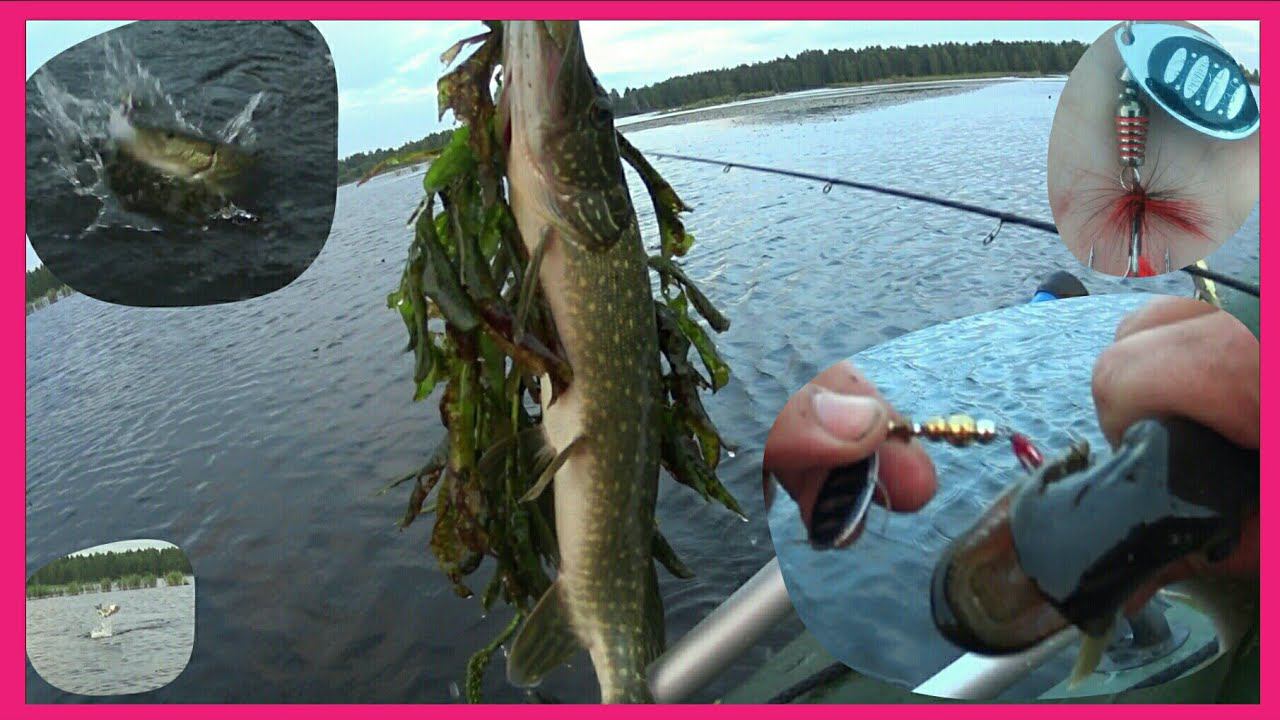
173,173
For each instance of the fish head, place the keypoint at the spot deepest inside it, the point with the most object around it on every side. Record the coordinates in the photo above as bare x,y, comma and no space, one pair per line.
561,124
1074,543
178,154
981,599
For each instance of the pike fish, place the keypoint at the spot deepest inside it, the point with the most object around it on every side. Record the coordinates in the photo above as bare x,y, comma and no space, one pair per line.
570,199
166,172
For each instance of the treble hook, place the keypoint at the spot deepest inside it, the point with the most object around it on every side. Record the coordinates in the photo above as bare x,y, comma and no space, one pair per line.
991,236
1135,247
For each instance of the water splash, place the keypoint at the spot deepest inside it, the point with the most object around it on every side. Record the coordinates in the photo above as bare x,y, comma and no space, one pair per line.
82,130
238,129
103,630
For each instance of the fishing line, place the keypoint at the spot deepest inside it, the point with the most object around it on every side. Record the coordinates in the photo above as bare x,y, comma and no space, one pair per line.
1005,218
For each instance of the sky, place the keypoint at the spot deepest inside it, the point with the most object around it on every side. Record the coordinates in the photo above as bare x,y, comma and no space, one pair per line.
124,546
387,69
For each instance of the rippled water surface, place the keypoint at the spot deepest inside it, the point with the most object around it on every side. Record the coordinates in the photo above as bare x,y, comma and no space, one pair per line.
869,606
255,435
149,645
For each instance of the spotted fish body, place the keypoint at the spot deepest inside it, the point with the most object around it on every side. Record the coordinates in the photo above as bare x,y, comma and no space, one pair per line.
172,174
568,190
179,155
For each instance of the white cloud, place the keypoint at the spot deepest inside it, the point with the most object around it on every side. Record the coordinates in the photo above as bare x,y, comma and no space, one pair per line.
124,546
417,61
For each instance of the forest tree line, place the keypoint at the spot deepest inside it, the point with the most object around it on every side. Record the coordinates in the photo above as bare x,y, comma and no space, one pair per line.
95,568
353,167
806,71
822,68
40,281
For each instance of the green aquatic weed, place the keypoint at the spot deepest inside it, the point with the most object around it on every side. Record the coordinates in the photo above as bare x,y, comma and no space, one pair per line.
493,345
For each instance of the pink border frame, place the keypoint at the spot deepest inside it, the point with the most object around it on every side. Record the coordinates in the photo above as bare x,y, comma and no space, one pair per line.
13,323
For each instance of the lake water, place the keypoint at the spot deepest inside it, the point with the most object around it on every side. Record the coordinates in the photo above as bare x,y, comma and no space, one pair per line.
149,645
255,435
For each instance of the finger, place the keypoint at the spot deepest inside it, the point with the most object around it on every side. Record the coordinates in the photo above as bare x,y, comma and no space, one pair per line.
1205,369
906,470
908,475
827,501
845,378
793,443
821,429
1162,311
840,419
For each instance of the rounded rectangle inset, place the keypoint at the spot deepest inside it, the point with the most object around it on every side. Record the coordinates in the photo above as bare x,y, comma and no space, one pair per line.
997,538
1150,168
112,619
183,163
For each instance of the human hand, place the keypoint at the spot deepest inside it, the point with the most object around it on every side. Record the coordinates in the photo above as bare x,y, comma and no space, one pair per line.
840,418
1178,356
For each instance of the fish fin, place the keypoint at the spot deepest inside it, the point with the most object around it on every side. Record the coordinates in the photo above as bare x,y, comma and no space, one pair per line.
530,283
665,554
654,620
544,642
550,471
1091,649
534,438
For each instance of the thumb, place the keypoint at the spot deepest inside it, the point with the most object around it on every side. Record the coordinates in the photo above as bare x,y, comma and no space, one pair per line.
848,427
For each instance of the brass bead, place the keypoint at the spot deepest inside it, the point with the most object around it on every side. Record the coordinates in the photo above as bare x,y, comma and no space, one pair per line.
986,431
960,429
900,430
934,428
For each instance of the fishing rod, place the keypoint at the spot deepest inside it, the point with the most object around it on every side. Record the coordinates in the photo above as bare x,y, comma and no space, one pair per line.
1005,218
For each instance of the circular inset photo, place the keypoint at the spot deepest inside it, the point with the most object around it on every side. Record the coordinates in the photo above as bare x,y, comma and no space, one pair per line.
112,619
1153,155
949,517
183,163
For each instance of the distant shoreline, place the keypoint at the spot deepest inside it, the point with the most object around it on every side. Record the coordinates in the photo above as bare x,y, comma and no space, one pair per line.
693,111
857,95
90,589
886,82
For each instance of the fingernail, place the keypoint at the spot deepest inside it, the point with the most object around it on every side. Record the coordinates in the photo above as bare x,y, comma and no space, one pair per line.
847,417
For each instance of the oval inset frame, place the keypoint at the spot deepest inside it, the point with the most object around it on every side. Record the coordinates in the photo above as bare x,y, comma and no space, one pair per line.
112,619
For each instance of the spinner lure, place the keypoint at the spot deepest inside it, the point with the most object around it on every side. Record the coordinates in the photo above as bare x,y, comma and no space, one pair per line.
847,492
1188,75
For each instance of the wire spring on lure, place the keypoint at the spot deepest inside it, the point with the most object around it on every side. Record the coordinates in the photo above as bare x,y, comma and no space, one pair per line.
1131,132
1131,121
